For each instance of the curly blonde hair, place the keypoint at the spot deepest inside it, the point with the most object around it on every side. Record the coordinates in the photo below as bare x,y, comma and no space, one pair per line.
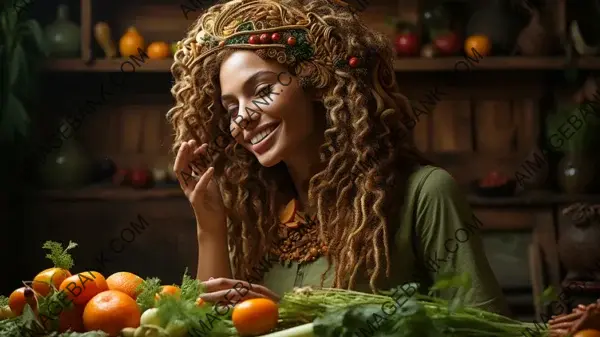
362,107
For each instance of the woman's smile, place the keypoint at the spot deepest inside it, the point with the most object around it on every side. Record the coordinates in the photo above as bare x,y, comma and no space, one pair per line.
262,138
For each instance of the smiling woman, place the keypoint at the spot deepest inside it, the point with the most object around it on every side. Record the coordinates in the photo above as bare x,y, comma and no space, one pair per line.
308,92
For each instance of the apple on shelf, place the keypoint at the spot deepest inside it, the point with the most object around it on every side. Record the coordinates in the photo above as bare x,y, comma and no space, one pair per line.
406,42
447,43
141,178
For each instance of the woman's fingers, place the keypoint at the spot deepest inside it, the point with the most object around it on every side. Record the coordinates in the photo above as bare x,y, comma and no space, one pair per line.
229,297
186,164
566,318
222,283
240,287
204,180
181,165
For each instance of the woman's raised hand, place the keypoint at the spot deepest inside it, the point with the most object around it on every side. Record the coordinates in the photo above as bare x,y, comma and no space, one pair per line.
203,193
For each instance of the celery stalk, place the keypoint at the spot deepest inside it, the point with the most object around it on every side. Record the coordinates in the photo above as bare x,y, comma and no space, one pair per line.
305,330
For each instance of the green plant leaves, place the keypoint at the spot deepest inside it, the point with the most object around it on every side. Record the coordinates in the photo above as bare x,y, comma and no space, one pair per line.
14,119
19,65
32,29
374,321
8,19
21,44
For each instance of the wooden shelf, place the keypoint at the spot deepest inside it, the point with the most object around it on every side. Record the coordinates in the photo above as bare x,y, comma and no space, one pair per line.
104,65
494,63
173,191
401,65
533,199
113,193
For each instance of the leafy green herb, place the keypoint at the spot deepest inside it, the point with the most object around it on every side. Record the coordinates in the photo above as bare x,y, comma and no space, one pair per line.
24,325
3,301
190,288
147,291
80,334
59,256
47,307
549,295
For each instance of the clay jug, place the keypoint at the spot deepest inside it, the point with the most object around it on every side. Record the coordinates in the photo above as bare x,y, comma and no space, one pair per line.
63,36
578,243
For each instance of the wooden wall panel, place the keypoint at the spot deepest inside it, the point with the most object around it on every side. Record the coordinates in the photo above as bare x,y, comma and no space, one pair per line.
421,133
452,127
494,125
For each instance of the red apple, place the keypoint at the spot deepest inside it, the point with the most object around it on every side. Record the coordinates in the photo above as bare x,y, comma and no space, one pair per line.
140,178
447,44
406,44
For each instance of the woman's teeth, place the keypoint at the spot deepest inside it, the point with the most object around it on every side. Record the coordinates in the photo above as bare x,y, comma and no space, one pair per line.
262,135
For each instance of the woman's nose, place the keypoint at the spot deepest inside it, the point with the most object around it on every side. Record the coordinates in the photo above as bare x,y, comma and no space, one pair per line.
245,119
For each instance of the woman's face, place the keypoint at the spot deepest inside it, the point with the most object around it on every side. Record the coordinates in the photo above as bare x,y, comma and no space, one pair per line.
271,115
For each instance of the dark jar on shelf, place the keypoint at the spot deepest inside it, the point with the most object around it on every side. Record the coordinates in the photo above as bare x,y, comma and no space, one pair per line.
575,173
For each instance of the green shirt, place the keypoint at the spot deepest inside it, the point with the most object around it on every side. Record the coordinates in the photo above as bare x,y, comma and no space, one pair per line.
436,235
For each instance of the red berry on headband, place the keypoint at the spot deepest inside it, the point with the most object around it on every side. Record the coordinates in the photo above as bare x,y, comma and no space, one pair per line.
291,41
275,37
353,62
253,39
265,38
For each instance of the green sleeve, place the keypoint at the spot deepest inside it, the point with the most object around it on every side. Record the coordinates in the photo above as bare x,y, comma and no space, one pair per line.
450,240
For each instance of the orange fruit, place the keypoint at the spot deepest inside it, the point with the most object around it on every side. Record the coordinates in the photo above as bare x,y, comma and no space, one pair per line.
43,282
480,43
288,214
20,297
80,288
158,50
111,311
69,318
168,290
125,282
587,333
256,316
130,42
200,302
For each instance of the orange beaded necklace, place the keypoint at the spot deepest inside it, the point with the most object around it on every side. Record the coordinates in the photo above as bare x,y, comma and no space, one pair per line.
299,236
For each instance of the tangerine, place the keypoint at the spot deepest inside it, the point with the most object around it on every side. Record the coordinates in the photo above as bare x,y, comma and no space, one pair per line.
168,290
125,282
20,297
478,44
130,42
158,50
46,279
80,288
255,316
587,333
111,311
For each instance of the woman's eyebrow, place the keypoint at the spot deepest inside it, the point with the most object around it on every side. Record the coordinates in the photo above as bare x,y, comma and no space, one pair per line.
248,83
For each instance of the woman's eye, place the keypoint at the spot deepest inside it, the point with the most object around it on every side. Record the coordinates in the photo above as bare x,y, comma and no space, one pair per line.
233,111
265,91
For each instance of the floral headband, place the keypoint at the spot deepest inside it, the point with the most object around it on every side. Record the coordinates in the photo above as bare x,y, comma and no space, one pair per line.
286,33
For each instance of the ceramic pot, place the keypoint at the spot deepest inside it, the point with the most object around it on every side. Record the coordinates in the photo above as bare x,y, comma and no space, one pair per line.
578,248
66,167
63,36
575,173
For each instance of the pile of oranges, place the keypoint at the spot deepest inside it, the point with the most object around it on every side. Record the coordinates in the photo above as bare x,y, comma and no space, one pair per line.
86,301
90,302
